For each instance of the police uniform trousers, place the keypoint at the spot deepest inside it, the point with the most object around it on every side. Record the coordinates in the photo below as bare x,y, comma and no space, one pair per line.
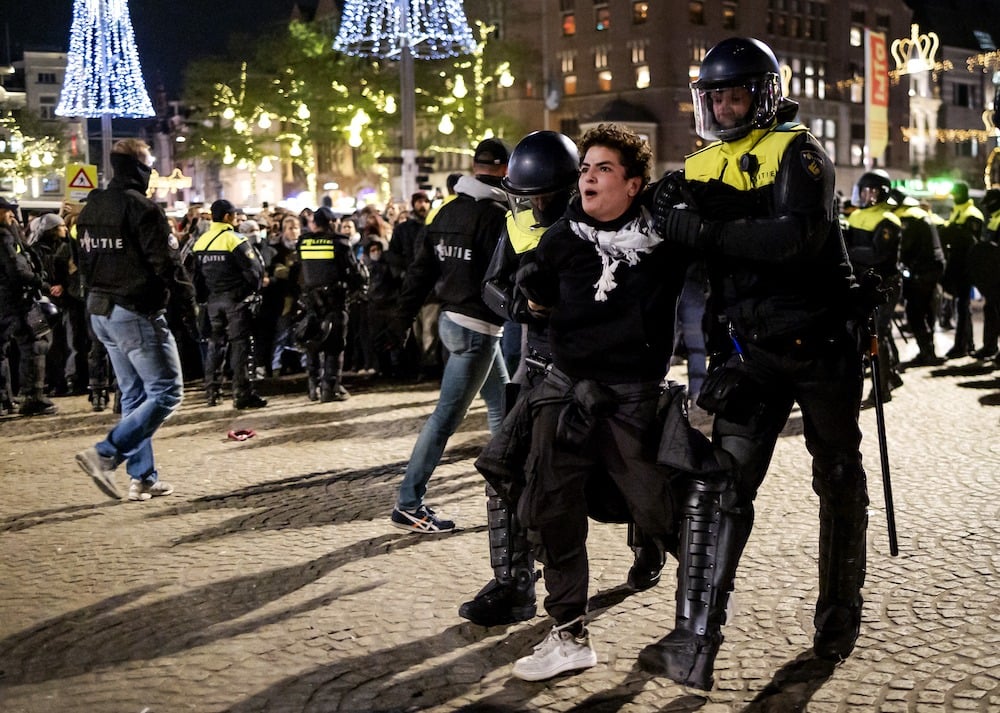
825,377
230,322
325,357
32,349
598,464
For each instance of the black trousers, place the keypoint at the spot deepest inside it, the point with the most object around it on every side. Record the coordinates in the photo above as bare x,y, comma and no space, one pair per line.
230,322
612,468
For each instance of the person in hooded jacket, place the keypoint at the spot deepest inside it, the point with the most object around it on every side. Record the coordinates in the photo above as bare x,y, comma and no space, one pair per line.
132,274
451,260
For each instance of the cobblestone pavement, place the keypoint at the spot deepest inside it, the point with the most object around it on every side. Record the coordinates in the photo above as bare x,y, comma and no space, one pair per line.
272,581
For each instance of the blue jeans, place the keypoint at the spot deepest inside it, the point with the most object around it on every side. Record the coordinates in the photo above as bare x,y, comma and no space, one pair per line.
144,356
474,364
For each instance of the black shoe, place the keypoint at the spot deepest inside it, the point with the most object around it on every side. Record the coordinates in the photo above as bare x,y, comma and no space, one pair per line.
835,638
645,571
985,353
249,401
313,390
499,604
98,400
213,396
895,381
684,657
956,352
37,407
925,359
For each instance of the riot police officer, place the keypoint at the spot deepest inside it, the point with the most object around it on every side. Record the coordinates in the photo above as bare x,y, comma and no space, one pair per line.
958,236
873,238
331,276
759,204
21,279
985,262
921,261
228,276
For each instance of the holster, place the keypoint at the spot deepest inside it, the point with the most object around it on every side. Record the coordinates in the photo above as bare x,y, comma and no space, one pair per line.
732,394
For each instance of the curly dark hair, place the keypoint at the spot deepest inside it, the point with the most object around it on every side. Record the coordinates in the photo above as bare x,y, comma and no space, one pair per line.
637,158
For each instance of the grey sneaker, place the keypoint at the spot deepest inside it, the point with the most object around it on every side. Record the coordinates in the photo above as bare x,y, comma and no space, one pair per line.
559,652
140,490
101,469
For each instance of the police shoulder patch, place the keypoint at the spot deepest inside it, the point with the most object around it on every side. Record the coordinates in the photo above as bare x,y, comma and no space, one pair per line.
812,162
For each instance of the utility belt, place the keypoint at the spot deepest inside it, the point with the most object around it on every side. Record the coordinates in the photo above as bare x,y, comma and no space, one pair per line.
804,345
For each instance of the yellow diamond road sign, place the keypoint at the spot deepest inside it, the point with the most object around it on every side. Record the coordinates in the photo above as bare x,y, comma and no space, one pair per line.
81,179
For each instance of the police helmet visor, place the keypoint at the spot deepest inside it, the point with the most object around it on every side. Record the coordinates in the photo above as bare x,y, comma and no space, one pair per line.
726,112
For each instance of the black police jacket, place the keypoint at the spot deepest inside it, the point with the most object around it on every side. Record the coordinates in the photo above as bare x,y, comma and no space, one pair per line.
454,252
124,241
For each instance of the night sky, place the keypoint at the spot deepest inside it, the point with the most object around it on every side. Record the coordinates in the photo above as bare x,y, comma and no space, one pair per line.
169,33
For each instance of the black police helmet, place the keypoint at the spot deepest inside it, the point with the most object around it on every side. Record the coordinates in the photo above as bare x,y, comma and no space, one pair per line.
542,162
991,201
880,181
737,62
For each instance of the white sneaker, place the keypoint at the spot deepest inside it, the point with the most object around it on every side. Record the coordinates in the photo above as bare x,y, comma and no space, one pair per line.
559,652
140,491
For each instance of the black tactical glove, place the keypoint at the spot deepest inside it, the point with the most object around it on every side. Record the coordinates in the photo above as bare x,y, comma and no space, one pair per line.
680,226
674,216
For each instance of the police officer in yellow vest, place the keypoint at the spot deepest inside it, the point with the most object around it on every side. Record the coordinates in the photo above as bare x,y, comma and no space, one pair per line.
921,261
330,276
873,237
958,235
228,278
759,204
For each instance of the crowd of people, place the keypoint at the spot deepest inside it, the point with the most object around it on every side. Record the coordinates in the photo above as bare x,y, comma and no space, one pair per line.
744,262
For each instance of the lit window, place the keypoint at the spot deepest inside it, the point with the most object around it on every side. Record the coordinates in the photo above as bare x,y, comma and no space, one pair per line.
602,18
831,149
569,85
642,76
569,25
604,80
729,16
696,12
600,58
640,13
857,35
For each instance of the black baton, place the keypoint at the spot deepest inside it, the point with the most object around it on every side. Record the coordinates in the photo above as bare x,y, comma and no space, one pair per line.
883,449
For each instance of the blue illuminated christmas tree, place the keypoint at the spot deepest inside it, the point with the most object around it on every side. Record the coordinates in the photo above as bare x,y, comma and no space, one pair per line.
103,75
405,30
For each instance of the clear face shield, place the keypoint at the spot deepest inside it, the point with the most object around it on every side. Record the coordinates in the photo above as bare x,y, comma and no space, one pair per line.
866,196
726,113
543,209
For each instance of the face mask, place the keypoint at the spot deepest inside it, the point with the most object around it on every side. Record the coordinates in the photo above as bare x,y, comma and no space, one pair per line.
375,255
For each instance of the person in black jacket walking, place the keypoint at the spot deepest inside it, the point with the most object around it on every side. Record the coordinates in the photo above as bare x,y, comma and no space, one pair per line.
452,259
132,274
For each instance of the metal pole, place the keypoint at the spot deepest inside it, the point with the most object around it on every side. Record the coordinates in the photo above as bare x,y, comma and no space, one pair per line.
106,149
407,101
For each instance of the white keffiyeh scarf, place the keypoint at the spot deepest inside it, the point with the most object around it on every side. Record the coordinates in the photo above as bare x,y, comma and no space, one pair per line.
615,247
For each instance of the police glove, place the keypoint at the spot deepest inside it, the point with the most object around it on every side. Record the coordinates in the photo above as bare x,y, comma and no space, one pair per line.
682,226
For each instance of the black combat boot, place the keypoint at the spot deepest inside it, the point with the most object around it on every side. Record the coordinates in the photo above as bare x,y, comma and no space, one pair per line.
712,539
510,596
843,522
